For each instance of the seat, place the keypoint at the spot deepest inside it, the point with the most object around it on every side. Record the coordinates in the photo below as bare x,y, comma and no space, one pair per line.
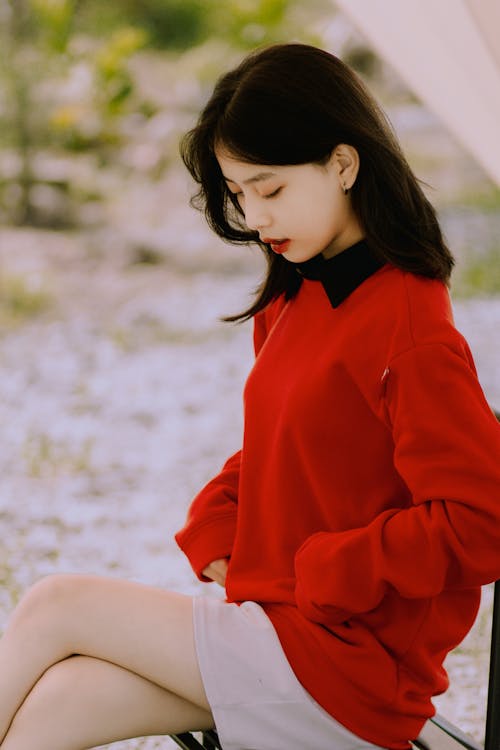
187,741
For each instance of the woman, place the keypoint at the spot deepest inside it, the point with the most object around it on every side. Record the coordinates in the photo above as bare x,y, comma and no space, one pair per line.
354,528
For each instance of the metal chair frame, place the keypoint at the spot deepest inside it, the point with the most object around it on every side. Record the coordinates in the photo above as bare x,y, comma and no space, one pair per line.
187,741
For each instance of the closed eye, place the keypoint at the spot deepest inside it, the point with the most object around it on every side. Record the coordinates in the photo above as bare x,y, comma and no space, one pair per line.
274,193
239,195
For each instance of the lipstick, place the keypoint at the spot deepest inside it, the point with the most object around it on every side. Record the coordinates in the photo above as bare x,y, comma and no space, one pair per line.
277,246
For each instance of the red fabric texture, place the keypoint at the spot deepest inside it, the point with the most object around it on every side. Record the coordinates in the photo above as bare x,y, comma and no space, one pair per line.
363,511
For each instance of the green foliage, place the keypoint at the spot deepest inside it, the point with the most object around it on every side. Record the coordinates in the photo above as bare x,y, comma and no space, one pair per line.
90,117
168,24
21,302
180,24
113,81
480,275
248,23
363,60
61,92
174,24
70,82
53,20
487,200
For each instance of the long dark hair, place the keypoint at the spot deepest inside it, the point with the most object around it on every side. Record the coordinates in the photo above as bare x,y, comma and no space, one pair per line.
293,104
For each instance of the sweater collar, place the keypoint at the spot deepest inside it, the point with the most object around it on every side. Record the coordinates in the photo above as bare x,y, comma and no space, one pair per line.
343,273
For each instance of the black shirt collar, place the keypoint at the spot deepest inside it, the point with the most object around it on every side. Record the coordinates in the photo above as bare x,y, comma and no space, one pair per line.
343,273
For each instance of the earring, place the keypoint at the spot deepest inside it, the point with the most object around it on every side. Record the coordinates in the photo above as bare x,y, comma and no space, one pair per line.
346,189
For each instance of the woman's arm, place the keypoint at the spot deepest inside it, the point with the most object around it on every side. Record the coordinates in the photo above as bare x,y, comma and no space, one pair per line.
447,450
208,533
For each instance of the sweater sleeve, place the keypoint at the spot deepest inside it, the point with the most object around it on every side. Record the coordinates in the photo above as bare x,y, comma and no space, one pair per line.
209,531
447,450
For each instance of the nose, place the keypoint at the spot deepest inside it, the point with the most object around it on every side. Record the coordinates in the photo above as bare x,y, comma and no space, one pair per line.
256,215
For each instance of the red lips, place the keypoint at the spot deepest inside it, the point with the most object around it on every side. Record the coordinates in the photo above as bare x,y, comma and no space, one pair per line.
277,246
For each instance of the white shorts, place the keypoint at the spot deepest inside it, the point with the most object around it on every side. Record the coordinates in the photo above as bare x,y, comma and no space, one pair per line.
256,700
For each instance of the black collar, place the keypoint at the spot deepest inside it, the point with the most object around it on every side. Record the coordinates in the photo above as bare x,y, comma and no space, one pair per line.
343,273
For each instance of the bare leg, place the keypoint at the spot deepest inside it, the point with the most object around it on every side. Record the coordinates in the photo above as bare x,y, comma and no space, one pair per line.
82,702
146,630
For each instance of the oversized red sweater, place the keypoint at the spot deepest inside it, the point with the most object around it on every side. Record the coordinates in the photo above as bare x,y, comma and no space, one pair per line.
363,511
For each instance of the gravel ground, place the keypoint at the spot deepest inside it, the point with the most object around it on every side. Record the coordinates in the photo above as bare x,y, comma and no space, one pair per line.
121,400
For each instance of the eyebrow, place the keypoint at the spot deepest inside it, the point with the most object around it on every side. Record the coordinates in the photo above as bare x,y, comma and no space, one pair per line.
259,177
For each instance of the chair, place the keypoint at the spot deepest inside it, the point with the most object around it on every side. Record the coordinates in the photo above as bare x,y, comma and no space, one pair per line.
187,741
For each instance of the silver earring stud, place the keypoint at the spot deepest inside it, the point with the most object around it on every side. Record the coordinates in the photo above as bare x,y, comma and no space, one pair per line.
346,189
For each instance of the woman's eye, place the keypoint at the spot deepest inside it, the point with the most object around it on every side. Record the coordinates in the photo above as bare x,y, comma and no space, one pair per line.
274,193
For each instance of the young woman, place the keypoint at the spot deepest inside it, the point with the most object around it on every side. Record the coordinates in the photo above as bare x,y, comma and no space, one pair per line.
353,530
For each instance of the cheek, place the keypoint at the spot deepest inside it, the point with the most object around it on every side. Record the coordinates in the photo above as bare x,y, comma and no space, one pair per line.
335,208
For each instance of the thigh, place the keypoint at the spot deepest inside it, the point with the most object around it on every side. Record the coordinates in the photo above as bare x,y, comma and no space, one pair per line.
144,629
82,702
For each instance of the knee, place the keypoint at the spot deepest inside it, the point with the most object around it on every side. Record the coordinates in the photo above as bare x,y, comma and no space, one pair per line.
45,597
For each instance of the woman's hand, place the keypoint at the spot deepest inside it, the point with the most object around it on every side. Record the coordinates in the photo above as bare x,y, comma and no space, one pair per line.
217,571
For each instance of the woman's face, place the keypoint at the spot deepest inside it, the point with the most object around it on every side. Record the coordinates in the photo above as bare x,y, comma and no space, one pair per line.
300,210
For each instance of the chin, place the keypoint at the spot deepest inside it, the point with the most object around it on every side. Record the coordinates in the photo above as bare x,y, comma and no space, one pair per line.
300,257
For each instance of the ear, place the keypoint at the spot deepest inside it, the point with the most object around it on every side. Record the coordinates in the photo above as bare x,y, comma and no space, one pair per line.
345,160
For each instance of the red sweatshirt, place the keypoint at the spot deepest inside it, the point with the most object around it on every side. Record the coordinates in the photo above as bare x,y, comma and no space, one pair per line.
363,511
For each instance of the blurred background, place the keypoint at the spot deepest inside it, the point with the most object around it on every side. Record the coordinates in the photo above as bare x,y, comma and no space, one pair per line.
120,388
